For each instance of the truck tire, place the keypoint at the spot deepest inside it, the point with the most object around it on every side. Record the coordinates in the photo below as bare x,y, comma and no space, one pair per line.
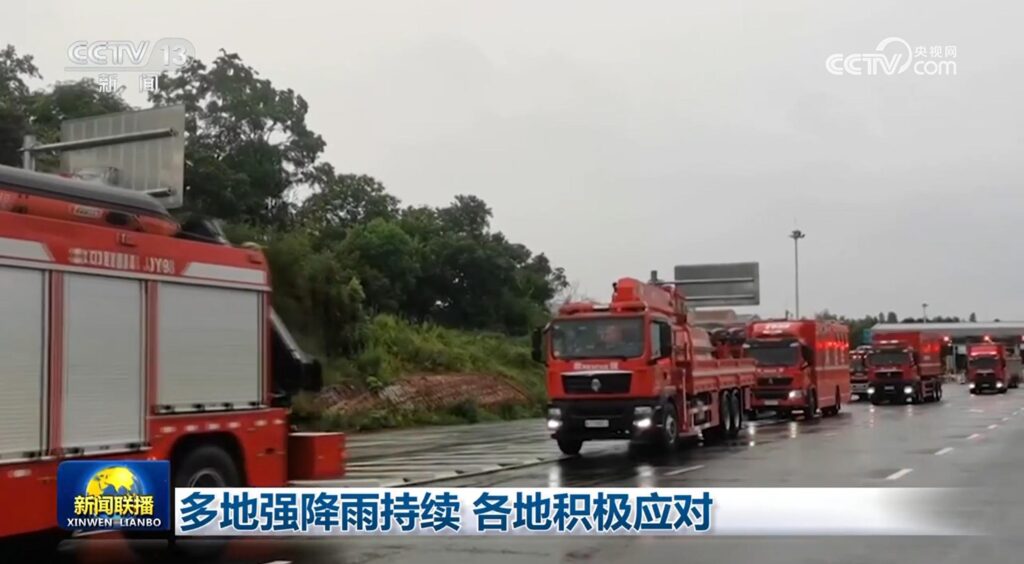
570,447
833,410
1002,390
670,428
736,418
938,393
206,466
812,405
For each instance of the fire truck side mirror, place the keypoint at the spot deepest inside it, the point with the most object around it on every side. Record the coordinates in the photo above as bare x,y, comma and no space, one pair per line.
537,342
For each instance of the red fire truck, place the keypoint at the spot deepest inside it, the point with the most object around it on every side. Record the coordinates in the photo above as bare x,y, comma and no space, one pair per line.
905,367
126,336
859,372
990,368
802,366
636,369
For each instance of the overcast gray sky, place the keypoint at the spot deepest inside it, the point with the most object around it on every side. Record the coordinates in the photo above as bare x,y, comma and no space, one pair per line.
620,137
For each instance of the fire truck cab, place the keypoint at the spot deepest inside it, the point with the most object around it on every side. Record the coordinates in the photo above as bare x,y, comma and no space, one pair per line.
802,366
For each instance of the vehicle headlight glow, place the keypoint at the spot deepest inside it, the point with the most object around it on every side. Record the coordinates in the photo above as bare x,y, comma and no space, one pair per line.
908,390
554,424
794,394
871,390
643,423
971,385
999,384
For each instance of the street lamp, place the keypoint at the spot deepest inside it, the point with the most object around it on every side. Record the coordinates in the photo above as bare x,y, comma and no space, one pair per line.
796,235
924,312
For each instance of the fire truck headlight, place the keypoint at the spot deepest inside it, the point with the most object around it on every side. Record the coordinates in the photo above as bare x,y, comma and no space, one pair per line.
794,394
871,390
971,386
999,384
554,424
554,413
643,411
907,390
644,423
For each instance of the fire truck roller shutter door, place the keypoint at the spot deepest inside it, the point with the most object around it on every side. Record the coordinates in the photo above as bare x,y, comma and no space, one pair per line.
103,362
210,345
22,348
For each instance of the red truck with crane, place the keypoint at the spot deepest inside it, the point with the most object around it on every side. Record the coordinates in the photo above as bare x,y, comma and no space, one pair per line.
989,367
129,336
905,367
802,366
637,369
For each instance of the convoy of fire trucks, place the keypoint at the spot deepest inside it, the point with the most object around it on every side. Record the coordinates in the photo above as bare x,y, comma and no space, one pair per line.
128,336
112,350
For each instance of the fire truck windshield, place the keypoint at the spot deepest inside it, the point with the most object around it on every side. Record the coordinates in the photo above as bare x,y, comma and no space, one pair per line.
983,362
889,358
857,364
604,337
774,353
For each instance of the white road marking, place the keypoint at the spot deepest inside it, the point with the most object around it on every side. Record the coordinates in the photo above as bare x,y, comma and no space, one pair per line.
974,436
899,474
976,410
943,451
684,470
1005,419
993,426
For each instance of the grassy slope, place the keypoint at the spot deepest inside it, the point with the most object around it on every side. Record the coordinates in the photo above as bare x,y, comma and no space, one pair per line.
396,348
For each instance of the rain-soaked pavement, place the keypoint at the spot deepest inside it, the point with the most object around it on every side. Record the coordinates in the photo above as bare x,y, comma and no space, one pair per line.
963,441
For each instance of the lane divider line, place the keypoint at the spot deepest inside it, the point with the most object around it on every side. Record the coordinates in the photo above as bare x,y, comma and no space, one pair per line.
973,436
684,470
899,474
943,451
993,426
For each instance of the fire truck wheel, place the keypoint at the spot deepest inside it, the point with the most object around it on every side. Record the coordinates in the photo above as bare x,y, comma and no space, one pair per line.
1002,390
569,447
812,404
725,413
938,393
206,466
834,409
669,427
736,421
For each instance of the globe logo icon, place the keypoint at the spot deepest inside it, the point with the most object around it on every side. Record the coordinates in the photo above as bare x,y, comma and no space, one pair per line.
114,481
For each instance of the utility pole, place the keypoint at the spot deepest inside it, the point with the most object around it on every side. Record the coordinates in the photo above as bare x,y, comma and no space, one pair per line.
796,235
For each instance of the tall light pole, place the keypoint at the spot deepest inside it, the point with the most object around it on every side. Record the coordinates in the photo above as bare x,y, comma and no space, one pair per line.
924,312
796,235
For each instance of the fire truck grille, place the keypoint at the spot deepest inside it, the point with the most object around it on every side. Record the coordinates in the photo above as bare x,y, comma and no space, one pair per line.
889,375
776,381
603,383
771,394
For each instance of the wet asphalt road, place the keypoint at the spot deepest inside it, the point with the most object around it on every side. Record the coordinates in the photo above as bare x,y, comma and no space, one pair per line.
964,441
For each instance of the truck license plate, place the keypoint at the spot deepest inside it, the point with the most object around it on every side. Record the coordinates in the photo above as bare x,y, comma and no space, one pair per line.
596,423
890,387
771,402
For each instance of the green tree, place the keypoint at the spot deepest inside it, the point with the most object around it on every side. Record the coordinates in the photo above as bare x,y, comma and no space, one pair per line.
342,201
973,318
891,317
15,121
247,141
